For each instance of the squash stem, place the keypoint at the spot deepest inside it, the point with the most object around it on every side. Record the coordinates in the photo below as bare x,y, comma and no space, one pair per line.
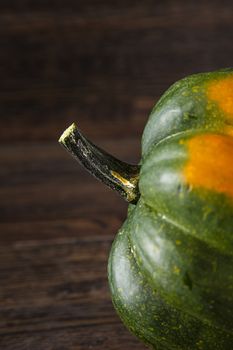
118,175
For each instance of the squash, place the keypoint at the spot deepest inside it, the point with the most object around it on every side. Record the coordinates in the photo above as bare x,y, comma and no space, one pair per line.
171,265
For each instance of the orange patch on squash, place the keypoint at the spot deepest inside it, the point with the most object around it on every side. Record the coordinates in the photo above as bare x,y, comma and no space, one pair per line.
210,163
221,91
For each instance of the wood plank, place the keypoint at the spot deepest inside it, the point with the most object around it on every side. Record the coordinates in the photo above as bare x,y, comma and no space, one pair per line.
101,64
43,183
57,289
53,262
101,336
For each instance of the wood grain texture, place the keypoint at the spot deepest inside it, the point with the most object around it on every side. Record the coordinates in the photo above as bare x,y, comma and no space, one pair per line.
56,229
102,64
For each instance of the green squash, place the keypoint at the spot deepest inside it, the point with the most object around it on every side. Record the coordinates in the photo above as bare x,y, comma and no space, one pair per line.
171,264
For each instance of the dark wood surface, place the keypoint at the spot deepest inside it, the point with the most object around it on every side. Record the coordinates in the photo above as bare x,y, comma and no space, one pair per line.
102,64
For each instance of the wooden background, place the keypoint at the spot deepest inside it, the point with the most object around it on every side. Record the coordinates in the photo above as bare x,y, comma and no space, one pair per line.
102,64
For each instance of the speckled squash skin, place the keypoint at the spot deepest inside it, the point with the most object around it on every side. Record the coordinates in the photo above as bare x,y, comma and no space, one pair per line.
171,264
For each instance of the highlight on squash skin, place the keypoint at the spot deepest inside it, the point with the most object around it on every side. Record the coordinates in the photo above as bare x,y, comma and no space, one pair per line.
209,164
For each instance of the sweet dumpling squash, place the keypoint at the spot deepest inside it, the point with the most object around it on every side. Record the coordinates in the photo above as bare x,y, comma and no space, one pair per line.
171,264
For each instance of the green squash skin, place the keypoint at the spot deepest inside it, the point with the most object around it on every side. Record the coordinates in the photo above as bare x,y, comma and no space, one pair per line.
144,310
171,264
205,214
184,106
188,272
